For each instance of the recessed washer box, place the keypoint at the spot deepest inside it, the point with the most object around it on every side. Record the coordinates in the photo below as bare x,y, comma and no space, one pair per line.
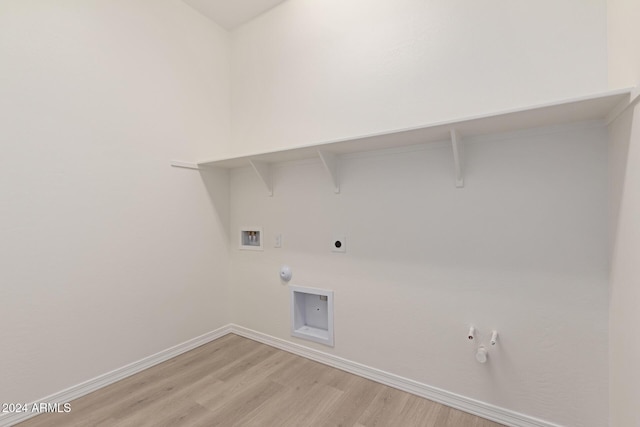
251,238
312,314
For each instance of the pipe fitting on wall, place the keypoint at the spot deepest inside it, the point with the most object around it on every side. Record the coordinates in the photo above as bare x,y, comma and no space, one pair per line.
494,337
482,354
472,333
285,273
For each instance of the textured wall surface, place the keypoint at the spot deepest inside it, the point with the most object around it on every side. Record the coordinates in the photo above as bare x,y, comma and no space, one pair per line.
625,272
624,71
312,71
107,254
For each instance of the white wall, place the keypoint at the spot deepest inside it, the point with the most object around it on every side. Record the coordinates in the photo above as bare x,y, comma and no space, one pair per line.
623,37
522,248
624,70
625,272
311,71
107,254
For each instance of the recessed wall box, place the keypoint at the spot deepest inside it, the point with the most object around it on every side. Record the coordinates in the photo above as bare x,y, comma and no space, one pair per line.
251,238
312,314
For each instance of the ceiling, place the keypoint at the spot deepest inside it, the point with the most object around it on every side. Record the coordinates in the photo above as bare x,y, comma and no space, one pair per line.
230,14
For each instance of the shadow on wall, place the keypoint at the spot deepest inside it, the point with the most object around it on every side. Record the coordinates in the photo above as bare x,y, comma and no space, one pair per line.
216,181
619,144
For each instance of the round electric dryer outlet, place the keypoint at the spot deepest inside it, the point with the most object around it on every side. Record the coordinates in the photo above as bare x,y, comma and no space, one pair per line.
339,244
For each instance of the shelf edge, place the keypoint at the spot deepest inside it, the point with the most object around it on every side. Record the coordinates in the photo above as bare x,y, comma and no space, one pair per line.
453,122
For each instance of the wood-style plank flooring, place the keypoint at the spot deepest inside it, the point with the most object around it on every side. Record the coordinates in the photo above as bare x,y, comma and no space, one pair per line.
234,381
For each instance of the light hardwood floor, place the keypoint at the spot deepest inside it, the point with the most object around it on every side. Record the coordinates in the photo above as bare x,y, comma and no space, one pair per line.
234,381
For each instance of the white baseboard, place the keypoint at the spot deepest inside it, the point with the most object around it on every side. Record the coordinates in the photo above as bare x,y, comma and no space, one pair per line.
79,390
466,404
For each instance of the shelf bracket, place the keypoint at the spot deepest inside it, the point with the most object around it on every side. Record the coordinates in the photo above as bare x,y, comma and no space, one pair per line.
331,164
264,173
186,165
456,142
633,100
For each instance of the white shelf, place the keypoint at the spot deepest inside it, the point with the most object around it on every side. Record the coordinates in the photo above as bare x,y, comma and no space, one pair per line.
604,106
